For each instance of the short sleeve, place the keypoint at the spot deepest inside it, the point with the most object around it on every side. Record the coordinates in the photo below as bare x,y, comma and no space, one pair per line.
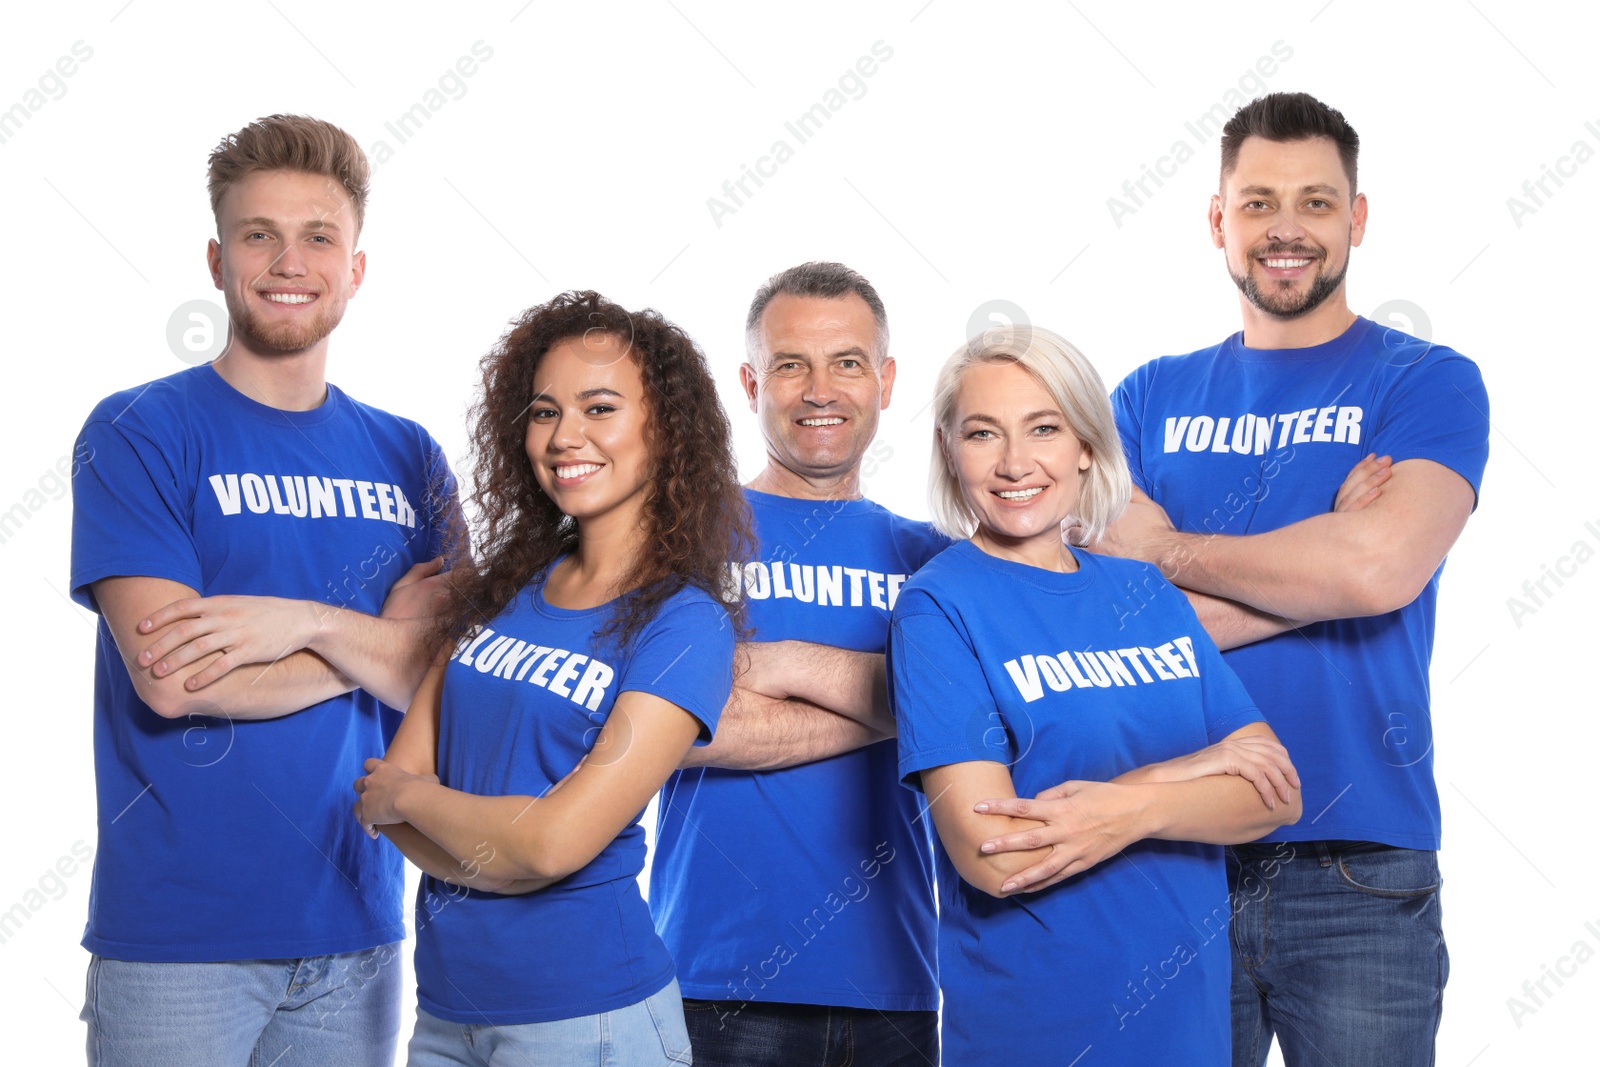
447,530
943,707
130,512
1439,411
1127,405
685,656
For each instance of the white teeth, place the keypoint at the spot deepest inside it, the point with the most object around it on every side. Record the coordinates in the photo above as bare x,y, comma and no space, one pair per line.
289,298
1287,264
1020,494
577,470
822,422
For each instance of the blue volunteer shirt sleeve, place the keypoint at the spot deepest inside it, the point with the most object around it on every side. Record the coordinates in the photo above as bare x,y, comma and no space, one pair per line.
686,656
1127,405
130,512
943,708
1439,411
1223,699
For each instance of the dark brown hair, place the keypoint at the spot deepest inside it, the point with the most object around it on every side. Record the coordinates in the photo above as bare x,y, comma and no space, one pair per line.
1289,117
292,142
695,515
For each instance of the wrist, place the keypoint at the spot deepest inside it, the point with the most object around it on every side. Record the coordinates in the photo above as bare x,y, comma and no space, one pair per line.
323,624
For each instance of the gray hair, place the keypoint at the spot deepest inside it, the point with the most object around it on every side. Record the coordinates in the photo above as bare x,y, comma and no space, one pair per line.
1072,382
821,279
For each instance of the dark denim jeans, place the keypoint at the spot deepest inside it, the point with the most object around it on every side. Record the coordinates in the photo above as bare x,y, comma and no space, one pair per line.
1338,952
730,1033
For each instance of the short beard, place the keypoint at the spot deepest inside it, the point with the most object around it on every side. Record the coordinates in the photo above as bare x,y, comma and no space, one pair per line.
1269,301
282,339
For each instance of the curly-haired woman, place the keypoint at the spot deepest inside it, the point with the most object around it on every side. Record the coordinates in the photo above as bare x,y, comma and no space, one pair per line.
593,647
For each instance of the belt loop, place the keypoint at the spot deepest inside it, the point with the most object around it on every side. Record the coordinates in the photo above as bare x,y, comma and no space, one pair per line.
1324,856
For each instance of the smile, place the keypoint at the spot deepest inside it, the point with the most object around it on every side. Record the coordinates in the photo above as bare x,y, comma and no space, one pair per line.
1287,264
831,420
577,470
1020,494
289,298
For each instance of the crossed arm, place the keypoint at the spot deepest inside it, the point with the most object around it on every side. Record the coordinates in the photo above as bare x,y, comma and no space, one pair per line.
795,702
1233,791
249,657
519,844
1390,528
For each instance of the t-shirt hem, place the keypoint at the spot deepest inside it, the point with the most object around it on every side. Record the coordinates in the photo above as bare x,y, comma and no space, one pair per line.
518,1017
267,949
827,998
912,763
1297,834
85,577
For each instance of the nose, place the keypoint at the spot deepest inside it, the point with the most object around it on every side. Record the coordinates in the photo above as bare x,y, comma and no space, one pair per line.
821,390
289,263
1285,228
567,433
1015,463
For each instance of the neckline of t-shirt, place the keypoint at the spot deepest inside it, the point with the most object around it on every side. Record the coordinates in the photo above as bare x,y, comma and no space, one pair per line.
1337,347
553,611
1049,581
806,506
324,411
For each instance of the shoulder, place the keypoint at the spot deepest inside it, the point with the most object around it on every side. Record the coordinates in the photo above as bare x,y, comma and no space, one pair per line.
396,425
1399,352
155,408
919,540
1169,369
689,608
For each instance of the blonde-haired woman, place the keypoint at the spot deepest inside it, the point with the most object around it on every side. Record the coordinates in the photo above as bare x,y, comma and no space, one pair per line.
1021,664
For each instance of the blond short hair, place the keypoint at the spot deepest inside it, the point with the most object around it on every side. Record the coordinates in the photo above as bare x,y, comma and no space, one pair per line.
292,142
1072,382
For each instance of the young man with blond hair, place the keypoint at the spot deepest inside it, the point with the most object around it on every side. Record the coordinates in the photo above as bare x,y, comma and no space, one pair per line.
258,546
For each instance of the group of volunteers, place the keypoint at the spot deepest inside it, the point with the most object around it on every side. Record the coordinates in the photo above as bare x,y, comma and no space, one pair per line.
987,788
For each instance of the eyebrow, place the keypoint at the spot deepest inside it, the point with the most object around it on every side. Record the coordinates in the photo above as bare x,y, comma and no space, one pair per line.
854,350
1050,413
261,222
587,394
1262,190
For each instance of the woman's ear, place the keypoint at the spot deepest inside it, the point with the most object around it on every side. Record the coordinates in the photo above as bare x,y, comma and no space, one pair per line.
1086,456
944,450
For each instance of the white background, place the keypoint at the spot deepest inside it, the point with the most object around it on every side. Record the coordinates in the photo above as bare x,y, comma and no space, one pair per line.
976,166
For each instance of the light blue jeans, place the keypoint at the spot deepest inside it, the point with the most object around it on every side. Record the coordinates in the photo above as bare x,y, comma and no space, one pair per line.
309,1012
646,1034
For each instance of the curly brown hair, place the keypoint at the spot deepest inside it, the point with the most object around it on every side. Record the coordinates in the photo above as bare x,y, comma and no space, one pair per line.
695,515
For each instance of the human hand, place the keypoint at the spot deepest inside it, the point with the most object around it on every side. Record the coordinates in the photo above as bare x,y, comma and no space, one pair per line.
380,791
420,593
1364,483
1142,532
1257,758
1085,823
245,629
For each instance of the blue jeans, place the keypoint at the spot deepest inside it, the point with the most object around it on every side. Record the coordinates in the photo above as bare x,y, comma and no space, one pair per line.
732,1033
342,1009
1338,951
645,1034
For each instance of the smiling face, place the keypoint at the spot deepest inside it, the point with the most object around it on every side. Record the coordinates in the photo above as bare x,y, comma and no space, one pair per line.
1017,462
1286,220
817,385
285,259
588,430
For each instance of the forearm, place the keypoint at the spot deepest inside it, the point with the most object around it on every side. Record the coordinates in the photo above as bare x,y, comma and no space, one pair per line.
759,733
1232,624
385,657
839,680
1219,809
432,859
1323,567
250,692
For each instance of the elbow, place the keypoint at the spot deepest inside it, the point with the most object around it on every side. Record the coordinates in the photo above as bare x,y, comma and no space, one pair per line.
988,873
169,699
1383,582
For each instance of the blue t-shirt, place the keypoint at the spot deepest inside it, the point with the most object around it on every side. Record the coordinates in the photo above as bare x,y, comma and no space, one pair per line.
812,884
223,839
1127,963
524,700
1235,440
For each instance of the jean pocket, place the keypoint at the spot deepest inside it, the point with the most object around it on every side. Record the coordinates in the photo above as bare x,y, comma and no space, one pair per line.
1390,872
666,1012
